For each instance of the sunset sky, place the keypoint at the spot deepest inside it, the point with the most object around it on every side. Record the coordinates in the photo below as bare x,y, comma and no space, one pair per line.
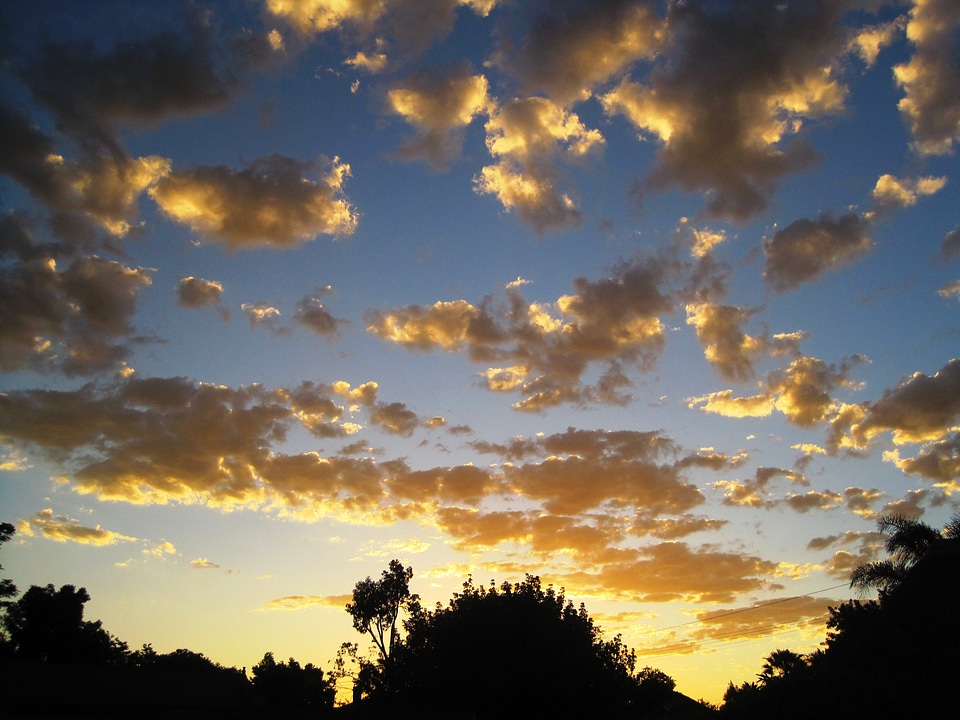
659,301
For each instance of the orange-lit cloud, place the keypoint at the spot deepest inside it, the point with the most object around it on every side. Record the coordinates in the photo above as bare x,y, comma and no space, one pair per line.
724,403
529,136
675,571
930,81
705,92
270,202
302,602
410,29
892,192
567,51
542,351
63,529
922,408
762,618
439,106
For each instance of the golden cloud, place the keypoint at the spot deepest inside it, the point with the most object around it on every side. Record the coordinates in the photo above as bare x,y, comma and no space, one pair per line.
270,202
763,618
726,346
528,136
724,403
749,106
893,192
922,408
439,106
931,102
545,350
62,529
302,602
568,52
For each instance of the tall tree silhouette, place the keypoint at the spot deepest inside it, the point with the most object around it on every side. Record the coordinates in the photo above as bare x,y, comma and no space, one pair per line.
908,540
377,604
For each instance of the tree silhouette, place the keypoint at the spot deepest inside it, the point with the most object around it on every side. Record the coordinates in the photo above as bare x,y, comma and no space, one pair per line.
519,646
7,588
908,540
780,664
46,624
289,685
377,603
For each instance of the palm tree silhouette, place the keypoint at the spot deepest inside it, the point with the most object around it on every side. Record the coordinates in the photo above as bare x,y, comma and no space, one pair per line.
908,540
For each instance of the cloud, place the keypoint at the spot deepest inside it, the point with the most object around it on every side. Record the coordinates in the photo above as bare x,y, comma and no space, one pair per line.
568,49
542,351
302,602
871,39
396,26
951,289
196,293
922,408
100,188
72,320
803,390
931,77
754,492
529,136
938,461
744,78
313,315
950,248
439,105
891,192
159,440
263,314
762,618
270,202
203,564
395,418
814,500
675,571
724,403
806,249
62,529
675,528
726,346
623,469
176,73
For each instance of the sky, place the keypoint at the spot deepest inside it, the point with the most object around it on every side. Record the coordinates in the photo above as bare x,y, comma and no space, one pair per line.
658,301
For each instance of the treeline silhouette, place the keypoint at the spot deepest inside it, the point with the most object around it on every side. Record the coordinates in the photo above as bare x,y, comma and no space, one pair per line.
894,657
509,650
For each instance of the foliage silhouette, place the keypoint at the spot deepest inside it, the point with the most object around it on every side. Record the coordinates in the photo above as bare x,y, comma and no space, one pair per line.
893,657
908,540
377,604
518,648
7,588
288,685
46,624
